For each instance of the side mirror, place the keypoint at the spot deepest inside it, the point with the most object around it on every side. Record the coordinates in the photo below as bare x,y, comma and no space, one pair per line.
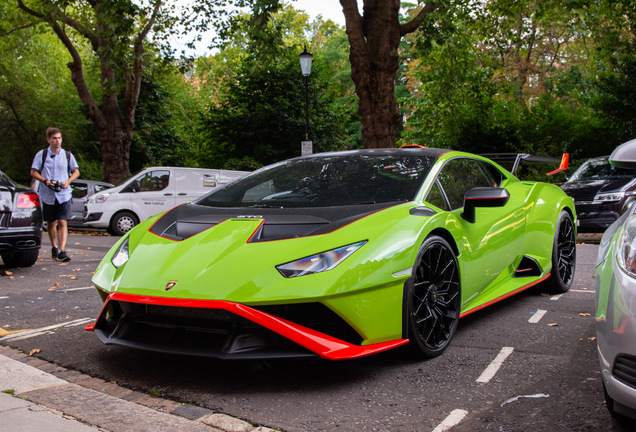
624,156
483,197
567,177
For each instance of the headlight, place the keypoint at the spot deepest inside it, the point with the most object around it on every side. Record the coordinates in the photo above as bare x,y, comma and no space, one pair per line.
626,250
121,254
318,263
98,199
608,197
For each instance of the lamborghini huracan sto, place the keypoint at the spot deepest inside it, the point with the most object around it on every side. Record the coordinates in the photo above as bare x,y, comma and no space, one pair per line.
335,255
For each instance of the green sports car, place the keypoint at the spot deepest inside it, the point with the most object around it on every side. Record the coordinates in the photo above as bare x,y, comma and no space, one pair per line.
338,255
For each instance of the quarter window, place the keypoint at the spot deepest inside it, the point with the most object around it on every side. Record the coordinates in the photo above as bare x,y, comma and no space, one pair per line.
80,190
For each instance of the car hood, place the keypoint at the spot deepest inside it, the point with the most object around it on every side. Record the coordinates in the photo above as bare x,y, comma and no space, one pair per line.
585,190
227,260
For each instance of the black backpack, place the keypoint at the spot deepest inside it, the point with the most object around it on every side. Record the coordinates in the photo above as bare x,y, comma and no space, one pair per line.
68,160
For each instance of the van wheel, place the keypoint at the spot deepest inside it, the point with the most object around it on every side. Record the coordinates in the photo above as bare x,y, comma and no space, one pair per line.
122,223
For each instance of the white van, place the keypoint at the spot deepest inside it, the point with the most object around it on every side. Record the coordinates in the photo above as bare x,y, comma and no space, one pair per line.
150,192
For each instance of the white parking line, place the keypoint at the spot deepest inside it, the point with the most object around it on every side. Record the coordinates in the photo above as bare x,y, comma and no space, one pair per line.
493,367
36,332
556,297
453,419
537,316
584,291
77,289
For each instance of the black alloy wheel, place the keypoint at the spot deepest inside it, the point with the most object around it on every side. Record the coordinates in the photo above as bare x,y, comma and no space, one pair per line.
434,300
563,254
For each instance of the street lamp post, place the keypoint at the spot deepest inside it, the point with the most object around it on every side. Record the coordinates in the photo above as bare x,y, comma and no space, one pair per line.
305,67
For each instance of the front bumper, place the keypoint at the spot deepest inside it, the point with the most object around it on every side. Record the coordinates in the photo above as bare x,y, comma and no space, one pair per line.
596,217
616,333
216,328
14,240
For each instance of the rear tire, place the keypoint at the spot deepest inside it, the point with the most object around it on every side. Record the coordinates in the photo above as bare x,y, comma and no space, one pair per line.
21,259
563,255
123,222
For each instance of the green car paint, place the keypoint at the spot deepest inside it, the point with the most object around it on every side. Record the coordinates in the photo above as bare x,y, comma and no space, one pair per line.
367,289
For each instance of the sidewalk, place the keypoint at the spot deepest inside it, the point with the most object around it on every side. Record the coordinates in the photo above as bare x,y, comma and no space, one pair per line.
34,400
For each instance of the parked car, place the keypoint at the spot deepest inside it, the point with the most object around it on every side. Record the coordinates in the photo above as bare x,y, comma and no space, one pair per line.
336,255
616,305
20,224
149,192
81,190
601,192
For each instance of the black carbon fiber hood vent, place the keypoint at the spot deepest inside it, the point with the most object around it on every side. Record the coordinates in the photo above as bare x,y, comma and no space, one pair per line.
188,220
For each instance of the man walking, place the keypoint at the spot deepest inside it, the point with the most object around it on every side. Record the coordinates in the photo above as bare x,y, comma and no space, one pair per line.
56,169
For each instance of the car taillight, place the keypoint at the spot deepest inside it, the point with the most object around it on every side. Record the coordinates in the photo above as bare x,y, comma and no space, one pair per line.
28,200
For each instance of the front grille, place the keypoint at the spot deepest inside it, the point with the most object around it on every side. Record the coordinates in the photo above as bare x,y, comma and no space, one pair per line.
625,370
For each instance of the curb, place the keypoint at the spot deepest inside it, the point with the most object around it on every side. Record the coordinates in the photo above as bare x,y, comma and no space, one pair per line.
108,406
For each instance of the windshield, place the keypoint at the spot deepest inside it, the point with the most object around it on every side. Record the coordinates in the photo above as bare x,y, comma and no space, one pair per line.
600,168
326,181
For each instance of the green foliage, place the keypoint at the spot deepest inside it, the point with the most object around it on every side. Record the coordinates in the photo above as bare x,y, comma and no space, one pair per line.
35,92
482,85
257,107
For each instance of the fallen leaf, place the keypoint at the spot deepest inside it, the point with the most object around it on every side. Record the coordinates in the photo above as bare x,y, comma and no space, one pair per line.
584,288
584,314
7,326
553,325
76,243
35,351
545,295
571,318
592,338
73,278
77,269
8,273
64,264
52,289
87,248
57,283
44,269
11,277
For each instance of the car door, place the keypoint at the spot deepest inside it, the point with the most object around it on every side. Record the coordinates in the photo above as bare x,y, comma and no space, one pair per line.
156,193
79,192
495,240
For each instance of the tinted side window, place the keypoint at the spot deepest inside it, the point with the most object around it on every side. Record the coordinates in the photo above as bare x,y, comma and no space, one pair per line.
80,190
154,181
459,176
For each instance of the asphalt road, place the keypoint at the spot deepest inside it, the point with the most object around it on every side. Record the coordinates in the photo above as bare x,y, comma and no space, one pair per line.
549,381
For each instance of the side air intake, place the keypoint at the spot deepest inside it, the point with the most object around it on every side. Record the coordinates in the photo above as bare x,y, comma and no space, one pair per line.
528,267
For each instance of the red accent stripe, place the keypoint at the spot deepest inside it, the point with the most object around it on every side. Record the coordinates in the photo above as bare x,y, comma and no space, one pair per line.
505,296
324,345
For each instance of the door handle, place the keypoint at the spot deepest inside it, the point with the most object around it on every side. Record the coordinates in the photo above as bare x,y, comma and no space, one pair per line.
167,194
181,193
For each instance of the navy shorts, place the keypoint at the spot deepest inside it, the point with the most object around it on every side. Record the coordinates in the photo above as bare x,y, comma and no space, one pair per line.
57,211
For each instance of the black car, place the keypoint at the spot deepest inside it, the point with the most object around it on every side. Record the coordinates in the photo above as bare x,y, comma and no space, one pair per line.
601,193
20,224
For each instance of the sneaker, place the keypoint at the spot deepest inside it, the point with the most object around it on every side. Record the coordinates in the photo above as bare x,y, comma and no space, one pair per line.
63,257
54,253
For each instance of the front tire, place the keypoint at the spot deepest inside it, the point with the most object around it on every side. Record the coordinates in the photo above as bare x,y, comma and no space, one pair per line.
21,259
563,255
122,223
434,300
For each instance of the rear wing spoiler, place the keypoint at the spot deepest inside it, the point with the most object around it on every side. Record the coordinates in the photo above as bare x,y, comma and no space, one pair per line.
517,158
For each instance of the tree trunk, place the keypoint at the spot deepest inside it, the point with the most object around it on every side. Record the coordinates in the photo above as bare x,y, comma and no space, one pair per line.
374,40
